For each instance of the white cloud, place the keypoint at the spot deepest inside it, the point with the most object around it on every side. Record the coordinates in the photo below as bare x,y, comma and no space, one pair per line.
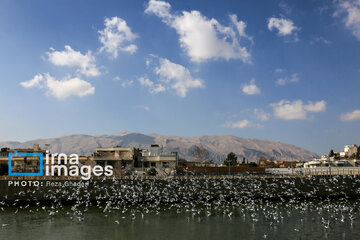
202,38
320,40
351,116
177,76
146,108
65,88
280,81
146,82
123,84
350,10
117,36
261,115
37,81
61,89
127,83
292,79
288,110
171,76
282,25
241,124
316,106
279,70
153,88
251,88
160,9
71,58
240,27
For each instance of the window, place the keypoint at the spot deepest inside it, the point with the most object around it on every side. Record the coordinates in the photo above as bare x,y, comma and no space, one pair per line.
153,164
165,164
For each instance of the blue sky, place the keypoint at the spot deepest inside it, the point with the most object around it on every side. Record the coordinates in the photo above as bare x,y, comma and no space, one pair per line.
281,70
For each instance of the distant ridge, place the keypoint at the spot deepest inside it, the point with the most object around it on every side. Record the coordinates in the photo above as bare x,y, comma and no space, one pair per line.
218,146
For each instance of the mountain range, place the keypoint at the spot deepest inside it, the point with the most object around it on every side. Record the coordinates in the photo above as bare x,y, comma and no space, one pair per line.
218,146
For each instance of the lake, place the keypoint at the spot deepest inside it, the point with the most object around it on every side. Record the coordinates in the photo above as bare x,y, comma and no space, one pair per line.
252,219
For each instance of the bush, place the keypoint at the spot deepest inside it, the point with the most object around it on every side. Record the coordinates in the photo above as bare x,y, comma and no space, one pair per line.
152,172
253,164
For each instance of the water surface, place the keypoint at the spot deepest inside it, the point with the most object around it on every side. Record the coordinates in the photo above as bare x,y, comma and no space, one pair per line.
256,219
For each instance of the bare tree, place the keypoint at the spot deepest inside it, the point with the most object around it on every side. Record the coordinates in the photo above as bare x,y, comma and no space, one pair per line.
201,155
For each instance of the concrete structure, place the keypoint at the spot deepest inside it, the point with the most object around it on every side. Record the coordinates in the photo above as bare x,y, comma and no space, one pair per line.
125,160
313,164
324,157
350,150
332,163
118,157
20,164
343,154
346,148
130,159
156,158
315,171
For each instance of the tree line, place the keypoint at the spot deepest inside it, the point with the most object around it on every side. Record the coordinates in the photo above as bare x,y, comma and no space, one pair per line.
202,155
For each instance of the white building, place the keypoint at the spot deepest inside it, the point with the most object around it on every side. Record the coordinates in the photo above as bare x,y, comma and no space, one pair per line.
157,158
312,164
350,150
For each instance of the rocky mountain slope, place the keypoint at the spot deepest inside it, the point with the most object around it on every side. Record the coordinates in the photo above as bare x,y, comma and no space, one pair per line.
218,146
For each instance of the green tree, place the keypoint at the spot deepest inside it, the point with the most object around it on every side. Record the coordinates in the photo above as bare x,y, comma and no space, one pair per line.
253,164
4,149
331,153
231,160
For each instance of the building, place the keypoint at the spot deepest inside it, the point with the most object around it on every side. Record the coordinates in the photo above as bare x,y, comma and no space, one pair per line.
324,157
350,150
158,159
316,163
124,160
118,157
19,163
343,154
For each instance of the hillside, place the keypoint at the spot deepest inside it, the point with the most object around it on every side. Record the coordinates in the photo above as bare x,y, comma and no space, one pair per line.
218,146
